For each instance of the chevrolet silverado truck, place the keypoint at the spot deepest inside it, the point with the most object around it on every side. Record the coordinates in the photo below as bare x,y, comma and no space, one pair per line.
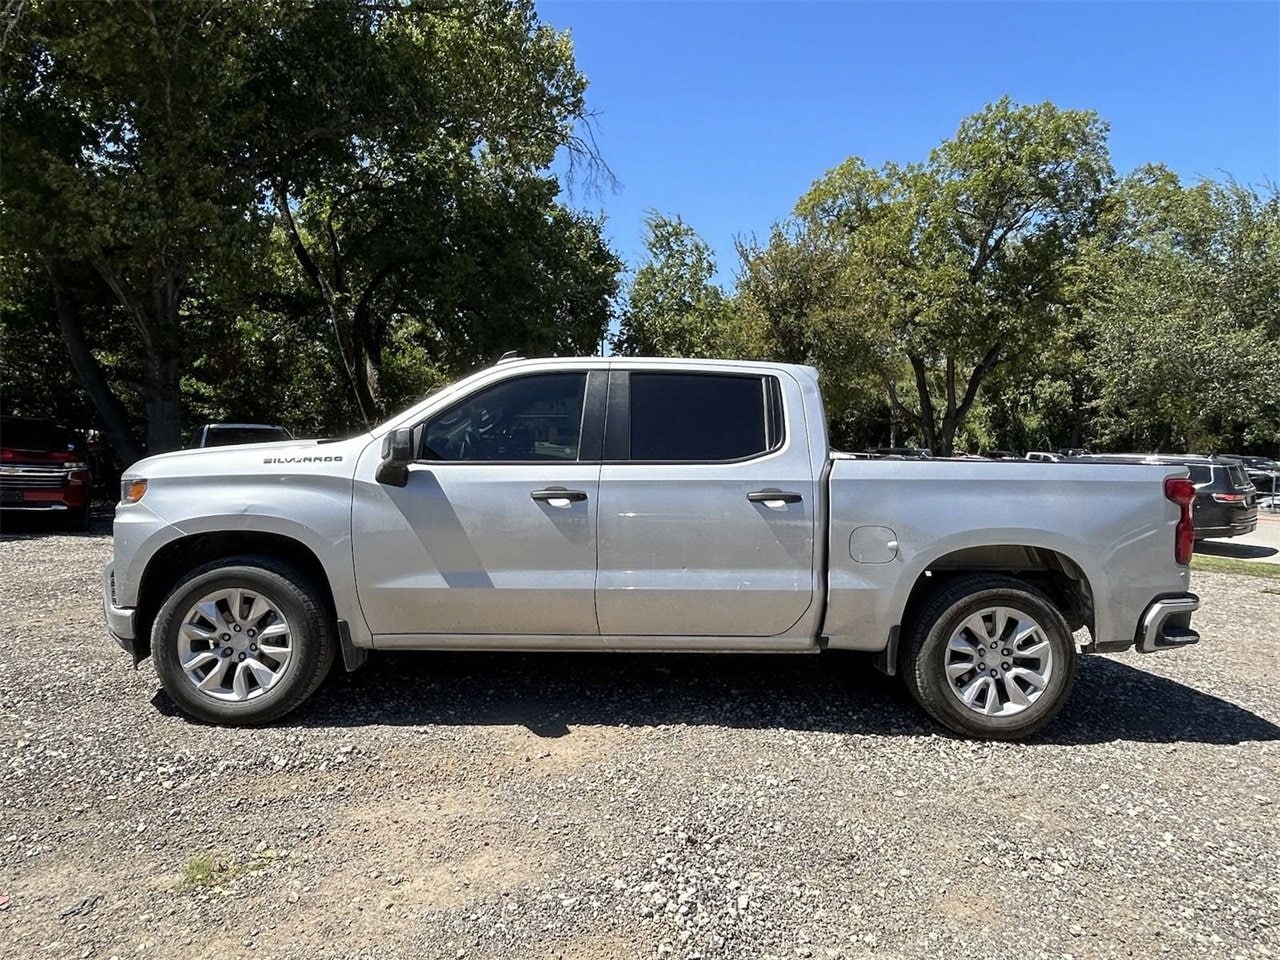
619,504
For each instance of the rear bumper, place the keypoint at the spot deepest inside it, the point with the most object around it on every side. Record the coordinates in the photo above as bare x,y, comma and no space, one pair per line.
120,620
1166,624
1230,530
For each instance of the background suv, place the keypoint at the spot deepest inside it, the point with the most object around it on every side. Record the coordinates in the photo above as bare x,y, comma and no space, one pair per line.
225,434
1226,502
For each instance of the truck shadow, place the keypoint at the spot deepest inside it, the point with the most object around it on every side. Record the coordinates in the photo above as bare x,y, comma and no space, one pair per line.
1238,551
35,526
836,693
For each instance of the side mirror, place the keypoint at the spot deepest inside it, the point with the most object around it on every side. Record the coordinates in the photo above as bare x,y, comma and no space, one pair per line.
397,454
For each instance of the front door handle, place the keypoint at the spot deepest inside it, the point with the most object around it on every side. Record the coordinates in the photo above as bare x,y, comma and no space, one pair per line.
558,496
774,496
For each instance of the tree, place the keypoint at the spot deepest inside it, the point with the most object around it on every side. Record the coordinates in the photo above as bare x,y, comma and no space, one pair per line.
962,259
420,192
159,151
124,157
1183,309
797,288
674,309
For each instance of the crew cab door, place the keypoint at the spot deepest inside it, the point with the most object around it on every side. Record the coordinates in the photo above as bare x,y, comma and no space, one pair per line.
495,530
707,505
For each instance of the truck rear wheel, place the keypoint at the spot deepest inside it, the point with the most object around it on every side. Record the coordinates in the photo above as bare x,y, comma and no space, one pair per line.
990,656
242,641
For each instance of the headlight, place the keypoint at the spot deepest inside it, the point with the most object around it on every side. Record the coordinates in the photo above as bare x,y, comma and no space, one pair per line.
132,489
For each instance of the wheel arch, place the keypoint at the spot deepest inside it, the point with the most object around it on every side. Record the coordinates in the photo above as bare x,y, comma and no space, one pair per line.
1051,571
179,557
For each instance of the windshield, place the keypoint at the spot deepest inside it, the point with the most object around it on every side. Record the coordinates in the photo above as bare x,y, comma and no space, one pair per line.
37,435
225,436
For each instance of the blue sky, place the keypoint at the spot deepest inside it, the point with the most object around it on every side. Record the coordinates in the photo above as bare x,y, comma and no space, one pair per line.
725,112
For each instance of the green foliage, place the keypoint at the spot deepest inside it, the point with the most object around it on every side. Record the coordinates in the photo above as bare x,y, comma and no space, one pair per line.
267,198
674,308
423,201
127,154
806,301
938,273
314,213
1183,309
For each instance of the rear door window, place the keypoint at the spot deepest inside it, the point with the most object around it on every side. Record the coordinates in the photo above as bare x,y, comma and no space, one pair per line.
1199,473
700,418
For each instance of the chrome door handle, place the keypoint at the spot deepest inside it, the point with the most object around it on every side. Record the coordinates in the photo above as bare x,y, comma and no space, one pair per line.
774,496
558,496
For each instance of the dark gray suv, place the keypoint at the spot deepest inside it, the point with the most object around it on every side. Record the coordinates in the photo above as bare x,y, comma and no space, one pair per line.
1226,502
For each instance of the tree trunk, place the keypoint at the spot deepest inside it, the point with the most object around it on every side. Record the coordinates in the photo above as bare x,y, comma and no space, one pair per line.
927,423
355,362
115,421
1077,414
164,403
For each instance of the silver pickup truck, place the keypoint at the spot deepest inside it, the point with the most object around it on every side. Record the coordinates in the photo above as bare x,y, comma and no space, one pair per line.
643,505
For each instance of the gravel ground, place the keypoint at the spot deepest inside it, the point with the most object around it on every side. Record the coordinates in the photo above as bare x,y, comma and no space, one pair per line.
585,806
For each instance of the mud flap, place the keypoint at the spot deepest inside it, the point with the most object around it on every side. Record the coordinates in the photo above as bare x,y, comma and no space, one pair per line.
353,657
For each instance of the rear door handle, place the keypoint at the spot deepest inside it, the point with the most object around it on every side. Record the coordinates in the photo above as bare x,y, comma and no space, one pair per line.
558,496
774,496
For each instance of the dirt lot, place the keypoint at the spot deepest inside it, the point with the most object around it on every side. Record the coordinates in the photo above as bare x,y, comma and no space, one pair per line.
594,807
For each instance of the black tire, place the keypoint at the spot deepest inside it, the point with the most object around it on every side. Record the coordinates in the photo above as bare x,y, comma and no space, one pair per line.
925,655
313,641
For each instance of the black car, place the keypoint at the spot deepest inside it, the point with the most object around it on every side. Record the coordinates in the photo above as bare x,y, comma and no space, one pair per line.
1226,502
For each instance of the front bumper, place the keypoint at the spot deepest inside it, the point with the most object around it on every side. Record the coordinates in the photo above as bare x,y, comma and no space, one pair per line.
1166,624
120,620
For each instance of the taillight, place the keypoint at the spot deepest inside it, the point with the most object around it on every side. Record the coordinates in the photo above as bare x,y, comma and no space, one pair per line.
1229,497
1182,492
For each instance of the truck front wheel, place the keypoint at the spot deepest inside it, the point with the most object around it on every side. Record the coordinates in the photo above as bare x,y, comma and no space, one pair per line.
990,656
242,641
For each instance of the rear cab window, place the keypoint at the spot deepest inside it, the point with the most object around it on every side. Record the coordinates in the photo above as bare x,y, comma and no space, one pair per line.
679,417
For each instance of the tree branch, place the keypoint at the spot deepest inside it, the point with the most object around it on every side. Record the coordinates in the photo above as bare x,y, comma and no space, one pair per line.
896,402
989,361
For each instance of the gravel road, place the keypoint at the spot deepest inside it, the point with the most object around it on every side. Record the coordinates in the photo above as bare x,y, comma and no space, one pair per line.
507,806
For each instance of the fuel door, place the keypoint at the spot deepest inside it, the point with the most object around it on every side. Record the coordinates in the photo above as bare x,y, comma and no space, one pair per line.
873,545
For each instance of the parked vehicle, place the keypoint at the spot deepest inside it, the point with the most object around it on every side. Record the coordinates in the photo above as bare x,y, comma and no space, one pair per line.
44,470
1226,503
225,434
1261,471
646,505
1039,456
